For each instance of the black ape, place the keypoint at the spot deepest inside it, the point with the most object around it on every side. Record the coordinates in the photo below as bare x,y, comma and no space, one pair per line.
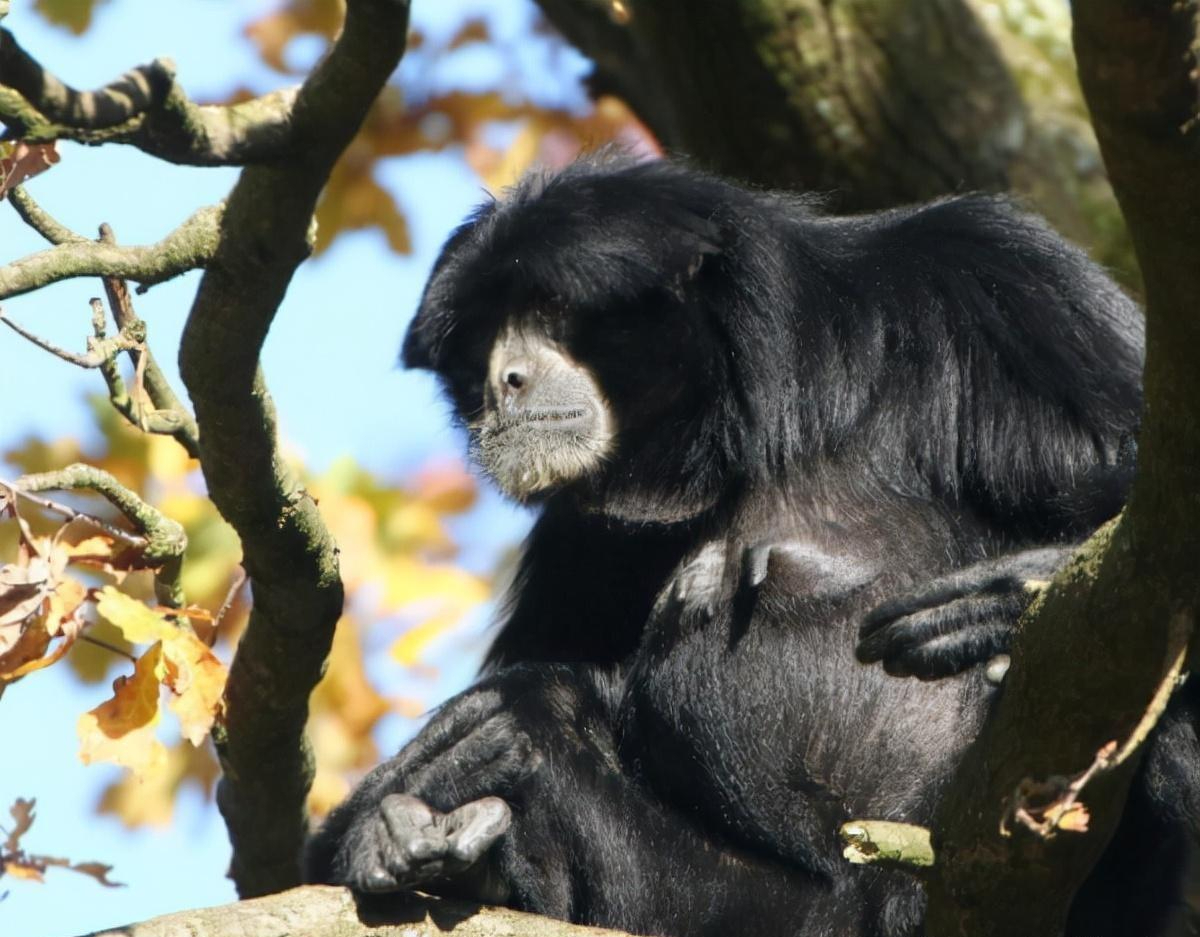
747,424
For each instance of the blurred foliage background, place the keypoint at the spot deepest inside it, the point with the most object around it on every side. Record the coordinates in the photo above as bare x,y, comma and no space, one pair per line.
874,102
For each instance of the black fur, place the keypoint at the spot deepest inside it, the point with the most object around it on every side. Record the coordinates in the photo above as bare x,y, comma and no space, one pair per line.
814,415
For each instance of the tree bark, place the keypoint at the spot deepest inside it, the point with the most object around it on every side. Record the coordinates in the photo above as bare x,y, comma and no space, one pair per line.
324,911
876,102
1092,655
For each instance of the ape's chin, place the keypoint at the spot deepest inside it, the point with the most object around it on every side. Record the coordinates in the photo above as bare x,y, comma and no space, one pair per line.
528,461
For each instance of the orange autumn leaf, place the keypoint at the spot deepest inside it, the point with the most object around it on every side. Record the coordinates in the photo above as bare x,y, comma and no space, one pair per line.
20,870
121,730
345,708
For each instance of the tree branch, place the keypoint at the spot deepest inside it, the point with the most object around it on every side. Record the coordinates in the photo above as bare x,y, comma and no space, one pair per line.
324,911
165,538
168,415
189,246
40,220
289,555
145,107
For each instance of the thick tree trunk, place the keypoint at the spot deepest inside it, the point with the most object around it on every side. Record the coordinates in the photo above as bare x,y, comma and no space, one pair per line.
1094,654
877,102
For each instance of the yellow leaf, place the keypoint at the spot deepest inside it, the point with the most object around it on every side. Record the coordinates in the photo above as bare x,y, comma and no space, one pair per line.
167,460
121,730
409,581
345,688
137,621
149,800
65,600
196,680
416,526
407,649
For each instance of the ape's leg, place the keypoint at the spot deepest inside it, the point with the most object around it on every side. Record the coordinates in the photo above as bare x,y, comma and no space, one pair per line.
958,620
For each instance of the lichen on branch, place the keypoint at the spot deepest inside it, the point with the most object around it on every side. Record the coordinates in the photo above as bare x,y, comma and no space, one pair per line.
146,107
188,247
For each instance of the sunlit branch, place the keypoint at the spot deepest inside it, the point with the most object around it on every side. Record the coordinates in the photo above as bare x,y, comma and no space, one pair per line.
188,247
145,108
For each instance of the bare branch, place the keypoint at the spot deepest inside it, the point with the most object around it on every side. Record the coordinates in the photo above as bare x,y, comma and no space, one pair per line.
188,247
99,352
146,108
168,415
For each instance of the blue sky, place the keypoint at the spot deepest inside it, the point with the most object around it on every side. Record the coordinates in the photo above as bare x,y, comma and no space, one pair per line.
342,321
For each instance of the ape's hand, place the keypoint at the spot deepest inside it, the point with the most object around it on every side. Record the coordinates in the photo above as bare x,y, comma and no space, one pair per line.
405,843
958,620
432,813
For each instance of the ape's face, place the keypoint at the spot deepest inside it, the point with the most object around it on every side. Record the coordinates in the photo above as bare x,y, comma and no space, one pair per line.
545,421
603,403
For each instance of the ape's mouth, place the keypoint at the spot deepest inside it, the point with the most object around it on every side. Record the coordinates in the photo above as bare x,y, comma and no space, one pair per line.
557,418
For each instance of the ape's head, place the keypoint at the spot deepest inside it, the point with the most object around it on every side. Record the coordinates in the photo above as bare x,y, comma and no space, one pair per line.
565,325
647,340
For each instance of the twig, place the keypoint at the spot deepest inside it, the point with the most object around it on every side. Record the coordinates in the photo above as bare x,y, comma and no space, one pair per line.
99,351
1046,807
69,513
40,220
239,580
165,538
167,415
84,636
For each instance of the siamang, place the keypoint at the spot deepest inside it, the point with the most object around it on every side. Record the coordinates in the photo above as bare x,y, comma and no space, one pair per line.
747,424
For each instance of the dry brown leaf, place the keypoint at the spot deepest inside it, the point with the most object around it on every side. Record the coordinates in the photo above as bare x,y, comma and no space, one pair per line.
473,30
31,643
23,816
97,870
24,161
23,588
353,200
